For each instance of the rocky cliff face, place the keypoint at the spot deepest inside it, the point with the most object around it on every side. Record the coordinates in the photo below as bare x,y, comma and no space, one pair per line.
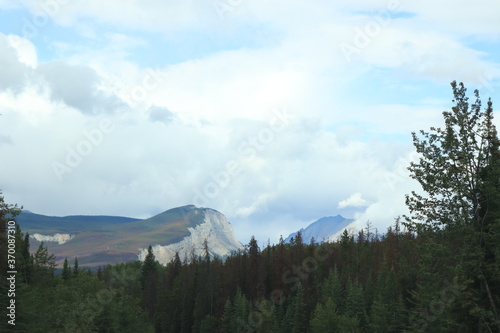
214,228
56,238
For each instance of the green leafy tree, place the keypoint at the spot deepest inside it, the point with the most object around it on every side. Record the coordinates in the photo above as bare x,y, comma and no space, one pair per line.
459,171
451,165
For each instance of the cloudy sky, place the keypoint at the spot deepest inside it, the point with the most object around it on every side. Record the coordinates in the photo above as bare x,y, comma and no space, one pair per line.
275,113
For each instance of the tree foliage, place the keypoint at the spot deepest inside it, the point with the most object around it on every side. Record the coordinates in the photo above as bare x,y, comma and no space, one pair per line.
459,171
453,161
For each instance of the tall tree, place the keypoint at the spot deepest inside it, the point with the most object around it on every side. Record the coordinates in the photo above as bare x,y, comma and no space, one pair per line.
459,171
149,282
66,272
43,263
148,266
76,270
451,165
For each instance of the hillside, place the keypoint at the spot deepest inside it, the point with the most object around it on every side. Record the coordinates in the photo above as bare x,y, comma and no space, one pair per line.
101,240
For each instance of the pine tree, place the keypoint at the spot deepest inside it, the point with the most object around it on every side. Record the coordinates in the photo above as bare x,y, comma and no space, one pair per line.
355,306
148,267
43,263
149,282
27,260
325,318
66,272
332,289
295,317
76,270
253,268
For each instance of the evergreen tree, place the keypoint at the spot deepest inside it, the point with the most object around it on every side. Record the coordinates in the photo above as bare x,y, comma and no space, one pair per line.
253,269
459,172
451,166
355,306
149,283
26,260
43,263
148,268
66,272
76,270
296,318
332,289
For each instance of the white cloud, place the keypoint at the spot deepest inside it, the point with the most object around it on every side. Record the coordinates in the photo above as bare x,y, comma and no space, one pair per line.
355,200
348,133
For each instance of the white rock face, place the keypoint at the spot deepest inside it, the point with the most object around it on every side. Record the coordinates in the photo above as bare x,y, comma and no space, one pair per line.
56,238
215,229
351,230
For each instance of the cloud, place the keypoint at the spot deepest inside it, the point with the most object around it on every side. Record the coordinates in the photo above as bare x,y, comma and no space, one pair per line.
348,133
355,200
13,72
161,114
78,86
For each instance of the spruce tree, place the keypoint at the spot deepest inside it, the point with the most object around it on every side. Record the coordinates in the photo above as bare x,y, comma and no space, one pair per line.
148,267
76,270
66,272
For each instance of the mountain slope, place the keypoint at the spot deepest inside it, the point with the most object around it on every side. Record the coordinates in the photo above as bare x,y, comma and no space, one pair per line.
214,228
101,240
326,228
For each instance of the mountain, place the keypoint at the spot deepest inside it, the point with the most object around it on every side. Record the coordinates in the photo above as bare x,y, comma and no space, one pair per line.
327,228
101,240
210,225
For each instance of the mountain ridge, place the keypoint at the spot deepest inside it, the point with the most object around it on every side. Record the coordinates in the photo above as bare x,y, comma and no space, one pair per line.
323,229
100,239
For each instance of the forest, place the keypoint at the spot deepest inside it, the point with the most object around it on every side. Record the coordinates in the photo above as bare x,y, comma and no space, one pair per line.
434,270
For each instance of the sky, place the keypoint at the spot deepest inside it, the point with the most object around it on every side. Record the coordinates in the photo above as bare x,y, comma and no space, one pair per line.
275,113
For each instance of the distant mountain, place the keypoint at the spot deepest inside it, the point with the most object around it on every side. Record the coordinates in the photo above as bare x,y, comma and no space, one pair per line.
326,228
101,240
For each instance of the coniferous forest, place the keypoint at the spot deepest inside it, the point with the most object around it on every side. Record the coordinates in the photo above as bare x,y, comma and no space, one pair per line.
435,270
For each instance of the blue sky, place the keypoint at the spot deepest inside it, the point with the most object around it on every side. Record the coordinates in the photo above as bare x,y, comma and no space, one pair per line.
272,113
